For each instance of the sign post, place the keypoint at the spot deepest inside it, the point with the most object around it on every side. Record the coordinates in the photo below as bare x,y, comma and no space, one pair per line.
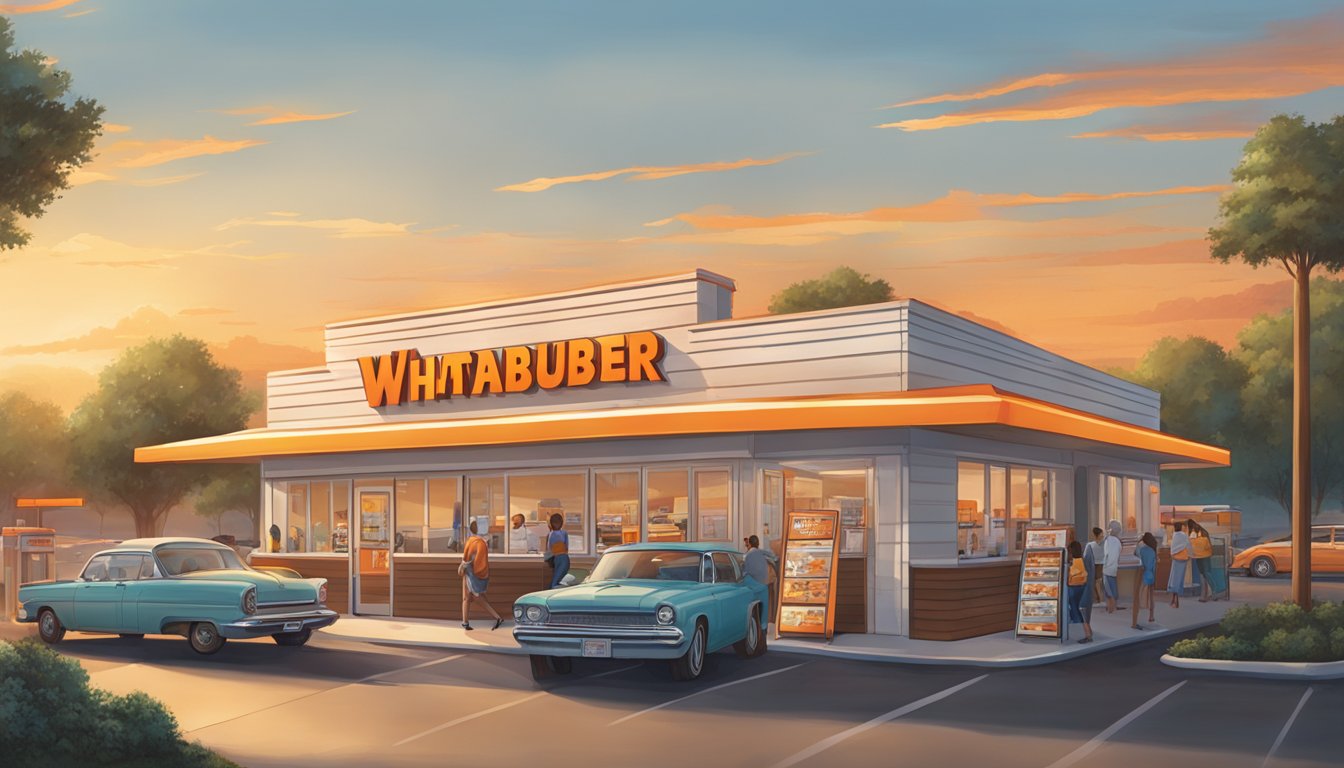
807,592
1041,593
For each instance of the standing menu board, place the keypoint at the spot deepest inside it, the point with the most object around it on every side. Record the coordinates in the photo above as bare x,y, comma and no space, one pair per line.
807,594
1041,592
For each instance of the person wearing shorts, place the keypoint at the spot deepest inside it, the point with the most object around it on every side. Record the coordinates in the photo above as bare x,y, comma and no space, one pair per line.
1110,568
475,573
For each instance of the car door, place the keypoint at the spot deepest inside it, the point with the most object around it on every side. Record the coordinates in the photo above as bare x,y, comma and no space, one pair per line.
731,598
98,597
1329,558
139,573
1322,551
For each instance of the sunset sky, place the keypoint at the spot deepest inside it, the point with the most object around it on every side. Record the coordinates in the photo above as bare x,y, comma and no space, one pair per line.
269,167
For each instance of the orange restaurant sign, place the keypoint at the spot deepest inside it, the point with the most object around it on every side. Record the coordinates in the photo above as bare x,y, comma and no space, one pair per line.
406,377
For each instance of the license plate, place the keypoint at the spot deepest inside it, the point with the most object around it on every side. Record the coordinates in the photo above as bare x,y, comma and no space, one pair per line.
597,649
293,626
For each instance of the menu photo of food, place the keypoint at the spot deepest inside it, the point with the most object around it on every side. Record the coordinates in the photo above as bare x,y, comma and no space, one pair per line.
802,619
1040,589
806,590
1053,538
808,558
1039,609
1047,628
1040,574
1042,559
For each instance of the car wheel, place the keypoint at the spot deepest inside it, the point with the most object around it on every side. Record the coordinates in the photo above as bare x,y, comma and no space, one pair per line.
293,639
692,663
130,636
204,638
1263,567
49,628
749,646
546,667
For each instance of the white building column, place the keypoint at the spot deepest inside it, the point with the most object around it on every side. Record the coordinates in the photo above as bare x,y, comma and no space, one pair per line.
890,563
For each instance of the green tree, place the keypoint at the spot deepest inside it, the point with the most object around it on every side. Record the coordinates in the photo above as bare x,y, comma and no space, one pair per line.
44,134
842,287
33,448
233,488
162,391
1201,386
1285,206
1265,349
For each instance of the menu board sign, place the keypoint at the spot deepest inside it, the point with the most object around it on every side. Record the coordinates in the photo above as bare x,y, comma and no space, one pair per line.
1041,593
807,595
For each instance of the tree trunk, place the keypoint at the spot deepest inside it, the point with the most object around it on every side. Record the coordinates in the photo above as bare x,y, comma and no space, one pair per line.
1302,436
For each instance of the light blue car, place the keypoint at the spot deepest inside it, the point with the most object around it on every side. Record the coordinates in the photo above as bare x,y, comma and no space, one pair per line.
177,586
672,601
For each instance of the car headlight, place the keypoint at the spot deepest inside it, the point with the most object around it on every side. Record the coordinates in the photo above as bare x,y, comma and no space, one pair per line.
322,595
534,613
250,602
666,614
517,613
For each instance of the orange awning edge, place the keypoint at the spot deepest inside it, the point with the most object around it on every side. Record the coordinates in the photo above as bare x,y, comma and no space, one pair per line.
950,406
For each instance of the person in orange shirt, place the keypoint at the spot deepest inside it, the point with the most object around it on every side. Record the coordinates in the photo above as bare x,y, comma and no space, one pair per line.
475,570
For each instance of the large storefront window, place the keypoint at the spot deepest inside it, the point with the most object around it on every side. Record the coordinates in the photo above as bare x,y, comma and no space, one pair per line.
844,486
296,534
444,528
410,510
617,504
534,499
711,505
667,510
485,505
1128,500
986,525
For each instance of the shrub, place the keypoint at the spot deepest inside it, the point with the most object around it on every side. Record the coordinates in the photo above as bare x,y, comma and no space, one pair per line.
1305,644
1328,616
1247,622
1289,616
1191,648
50,716
1337,643
1233,649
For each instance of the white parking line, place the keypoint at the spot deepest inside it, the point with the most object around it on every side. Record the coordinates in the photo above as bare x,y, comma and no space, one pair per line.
827,743
1100,738
1286,727
467,718
707,690
360,681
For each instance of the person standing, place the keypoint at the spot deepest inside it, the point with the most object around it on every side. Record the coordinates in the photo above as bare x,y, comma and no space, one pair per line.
1147,552
1110,569
557,548
1180,557
475,573
1201,551
1080,588
758,565
1094,548
521,538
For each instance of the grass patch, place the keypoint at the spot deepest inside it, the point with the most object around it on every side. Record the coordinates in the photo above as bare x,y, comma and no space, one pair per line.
49,716
1275,632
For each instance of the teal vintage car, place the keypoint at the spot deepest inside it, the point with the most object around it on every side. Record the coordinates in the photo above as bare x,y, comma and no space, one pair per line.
671,601
177,586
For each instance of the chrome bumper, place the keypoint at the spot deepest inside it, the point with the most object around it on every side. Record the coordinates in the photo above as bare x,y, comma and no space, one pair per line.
277,623
626,642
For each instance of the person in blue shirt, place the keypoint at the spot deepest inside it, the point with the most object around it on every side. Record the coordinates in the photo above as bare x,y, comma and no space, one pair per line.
1147,552
557,548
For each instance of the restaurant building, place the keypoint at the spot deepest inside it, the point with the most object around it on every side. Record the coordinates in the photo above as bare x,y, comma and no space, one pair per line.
644,411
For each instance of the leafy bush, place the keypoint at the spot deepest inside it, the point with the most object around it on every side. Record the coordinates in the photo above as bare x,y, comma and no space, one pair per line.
1275,632
50,716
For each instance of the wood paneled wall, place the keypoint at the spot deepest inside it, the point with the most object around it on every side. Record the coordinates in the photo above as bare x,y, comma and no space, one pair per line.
954,603
429,588
851,595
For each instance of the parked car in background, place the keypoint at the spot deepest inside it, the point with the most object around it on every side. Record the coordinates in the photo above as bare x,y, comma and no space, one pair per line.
196,588
671,601
1276,556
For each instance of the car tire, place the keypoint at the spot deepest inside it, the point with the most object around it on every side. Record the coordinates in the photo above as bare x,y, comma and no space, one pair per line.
293,639
692,663
205,638
1263,567
131,636
749,647
546,667
49,628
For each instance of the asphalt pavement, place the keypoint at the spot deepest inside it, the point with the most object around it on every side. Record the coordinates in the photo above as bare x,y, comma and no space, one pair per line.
336,702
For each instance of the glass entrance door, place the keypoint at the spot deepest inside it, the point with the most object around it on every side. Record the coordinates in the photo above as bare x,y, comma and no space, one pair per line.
373,559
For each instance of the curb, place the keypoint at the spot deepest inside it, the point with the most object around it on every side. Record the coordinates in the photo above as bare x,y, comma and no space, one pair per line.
1274,670
446,645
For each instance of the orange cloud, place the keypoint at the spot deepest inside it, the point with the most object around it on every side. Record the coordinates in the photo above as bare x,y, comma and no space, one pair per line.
77,14
340,228
1189,251
1292,58
278,116
114,127
19,10
138,326
144,154
956,205
202,311
646,173
1244,304
1145,133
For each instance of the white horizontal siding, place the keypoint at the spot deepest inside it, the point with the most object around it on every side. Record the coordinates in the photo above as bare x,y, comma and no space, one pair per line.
947,350
931,504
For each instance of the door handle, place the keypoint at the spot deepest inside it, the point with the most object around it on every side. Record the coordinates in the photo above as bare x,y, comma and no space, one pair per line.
121,583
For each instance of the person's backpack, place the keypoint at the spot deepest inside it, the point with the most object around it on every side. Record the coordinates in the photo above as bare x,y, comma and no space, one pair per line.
1077,572
1201,547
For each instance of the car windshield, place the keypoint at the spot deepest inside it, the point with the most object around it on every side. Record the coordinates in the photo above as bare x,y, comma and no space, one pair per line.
179,560
664,565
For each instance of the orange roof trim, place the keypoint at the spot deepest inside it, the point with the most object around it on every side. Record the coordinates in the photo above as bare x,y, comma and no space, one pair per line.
951,406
